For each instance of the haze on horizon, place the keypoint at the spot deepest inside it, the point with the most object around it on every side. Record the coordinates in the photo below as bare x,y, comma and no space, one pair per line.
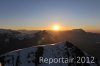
43,14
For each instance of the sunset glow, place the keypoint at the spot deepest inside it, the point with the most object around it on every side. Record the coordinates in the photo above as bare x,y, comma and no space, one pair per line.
41,15
56,27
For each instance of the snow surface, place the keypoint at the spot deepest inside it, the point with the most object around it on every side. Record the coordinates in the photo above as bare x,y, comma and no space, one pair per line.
30,56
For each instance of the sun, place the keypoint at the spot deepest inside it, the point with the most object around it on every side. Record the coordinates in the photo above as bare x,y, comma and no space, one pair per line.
56,27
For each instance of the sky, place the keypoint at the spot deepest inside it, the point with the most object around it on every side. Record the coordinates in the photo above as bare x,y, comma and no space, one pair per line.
42,14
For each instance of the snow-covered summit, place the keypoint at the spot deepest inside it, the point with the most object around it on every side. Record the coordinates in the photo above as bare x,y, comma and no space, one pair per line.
59,54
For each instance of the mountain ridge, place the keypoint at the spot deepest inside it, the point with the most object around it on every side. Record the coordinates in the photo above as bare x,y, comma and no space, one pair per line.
79,37
30,56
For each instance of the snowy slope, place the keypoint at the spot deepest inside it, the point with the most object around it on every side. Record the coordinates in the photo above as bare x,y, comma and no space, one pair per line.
31,56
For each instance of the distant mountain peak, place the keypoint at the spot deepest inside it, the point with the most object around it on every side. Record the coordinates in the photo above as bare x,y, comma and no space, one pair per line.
78,30
32,56
2,31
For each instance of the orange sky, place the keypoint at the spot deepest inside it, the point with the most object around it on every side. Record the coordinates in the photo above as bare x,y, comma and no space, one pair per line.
50,27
